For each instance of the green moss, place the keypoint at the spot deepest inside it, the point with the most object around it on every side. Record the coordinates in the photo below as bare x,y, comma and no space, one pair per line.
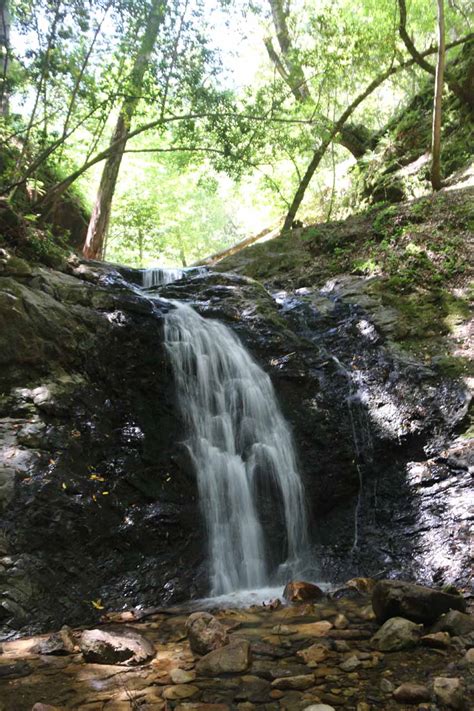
454,366
44,247
468,433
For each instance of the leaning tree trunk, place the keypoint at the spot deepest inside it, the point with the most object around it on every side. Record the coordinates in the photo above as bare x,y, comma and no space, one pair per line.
458,90
288,66
355,138
438,95
100,218
5,55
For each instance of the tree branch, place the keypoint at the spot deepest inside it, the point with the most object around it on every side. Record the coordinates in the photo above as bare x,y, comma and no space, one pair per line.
452,83
58,189
321,150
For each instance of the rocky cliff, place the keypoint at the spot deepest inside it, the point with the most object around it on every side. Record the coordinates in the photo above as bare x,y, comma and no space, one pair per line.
98,495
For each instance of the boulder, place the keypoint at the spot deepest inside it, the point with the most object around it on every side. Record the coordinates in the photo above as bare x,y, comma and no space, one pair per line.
437,640
282,630
234,657
363,585
319,707
396,634
180,691
468,659
449,691
181,676
59,643
340,622
306,630
350,664
252,689
124,647
300,591
456,623
45,707
394,598
411,693
386,686
205,633
313,655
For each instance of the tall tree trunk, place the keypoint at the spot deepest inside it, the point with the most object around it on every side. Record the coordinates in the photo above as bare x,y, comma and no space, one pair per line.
438,96
458,90
290,69
5,55
344,117
100,218
355,138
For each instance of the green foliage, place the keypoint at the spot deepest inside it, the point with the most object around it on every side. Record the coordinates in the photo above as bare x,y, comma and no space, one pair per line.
398,168
220,109
178,219
44,247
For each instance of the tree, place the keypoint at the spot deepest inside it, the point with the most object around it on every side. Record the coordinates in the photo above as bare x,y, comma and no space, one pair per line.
354,137
5,55
100,218
438,96
465,96
326,142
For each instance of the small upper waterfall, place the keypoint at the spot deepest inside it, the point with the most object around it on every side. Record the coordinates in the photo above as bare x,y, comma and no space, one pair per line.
158,276
241,448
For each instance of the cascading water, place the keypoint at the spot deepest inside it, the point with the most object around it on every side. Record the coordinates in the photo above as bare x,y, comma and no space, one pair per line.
240,446
159,276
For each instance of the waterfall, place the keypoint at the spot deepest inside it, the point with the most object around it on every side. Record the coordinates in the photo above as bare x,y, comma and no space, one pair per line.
242,451
158,276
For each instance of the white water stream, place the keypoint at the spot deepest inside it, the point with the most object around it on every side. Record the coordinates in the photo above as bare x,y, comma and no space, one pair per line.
242,450
159,276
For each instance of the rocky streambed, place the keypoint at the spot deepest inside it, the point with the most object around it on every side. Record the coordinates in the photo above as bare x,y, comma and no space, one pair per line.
400,647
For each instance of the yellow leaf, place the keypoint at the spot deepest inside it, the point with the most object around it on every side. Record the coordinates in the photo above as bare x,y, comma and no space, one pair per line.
97,604
105,493
96,477
64,485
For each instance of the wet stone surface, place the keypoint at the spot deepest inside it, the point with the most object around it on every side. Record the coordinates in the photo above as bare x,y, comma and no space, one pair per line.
98,494
354,676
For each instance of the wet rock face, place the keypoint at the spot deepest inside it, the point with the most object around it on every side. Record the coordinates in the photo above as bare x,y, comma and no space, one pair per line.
99,504
99,499
373,426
